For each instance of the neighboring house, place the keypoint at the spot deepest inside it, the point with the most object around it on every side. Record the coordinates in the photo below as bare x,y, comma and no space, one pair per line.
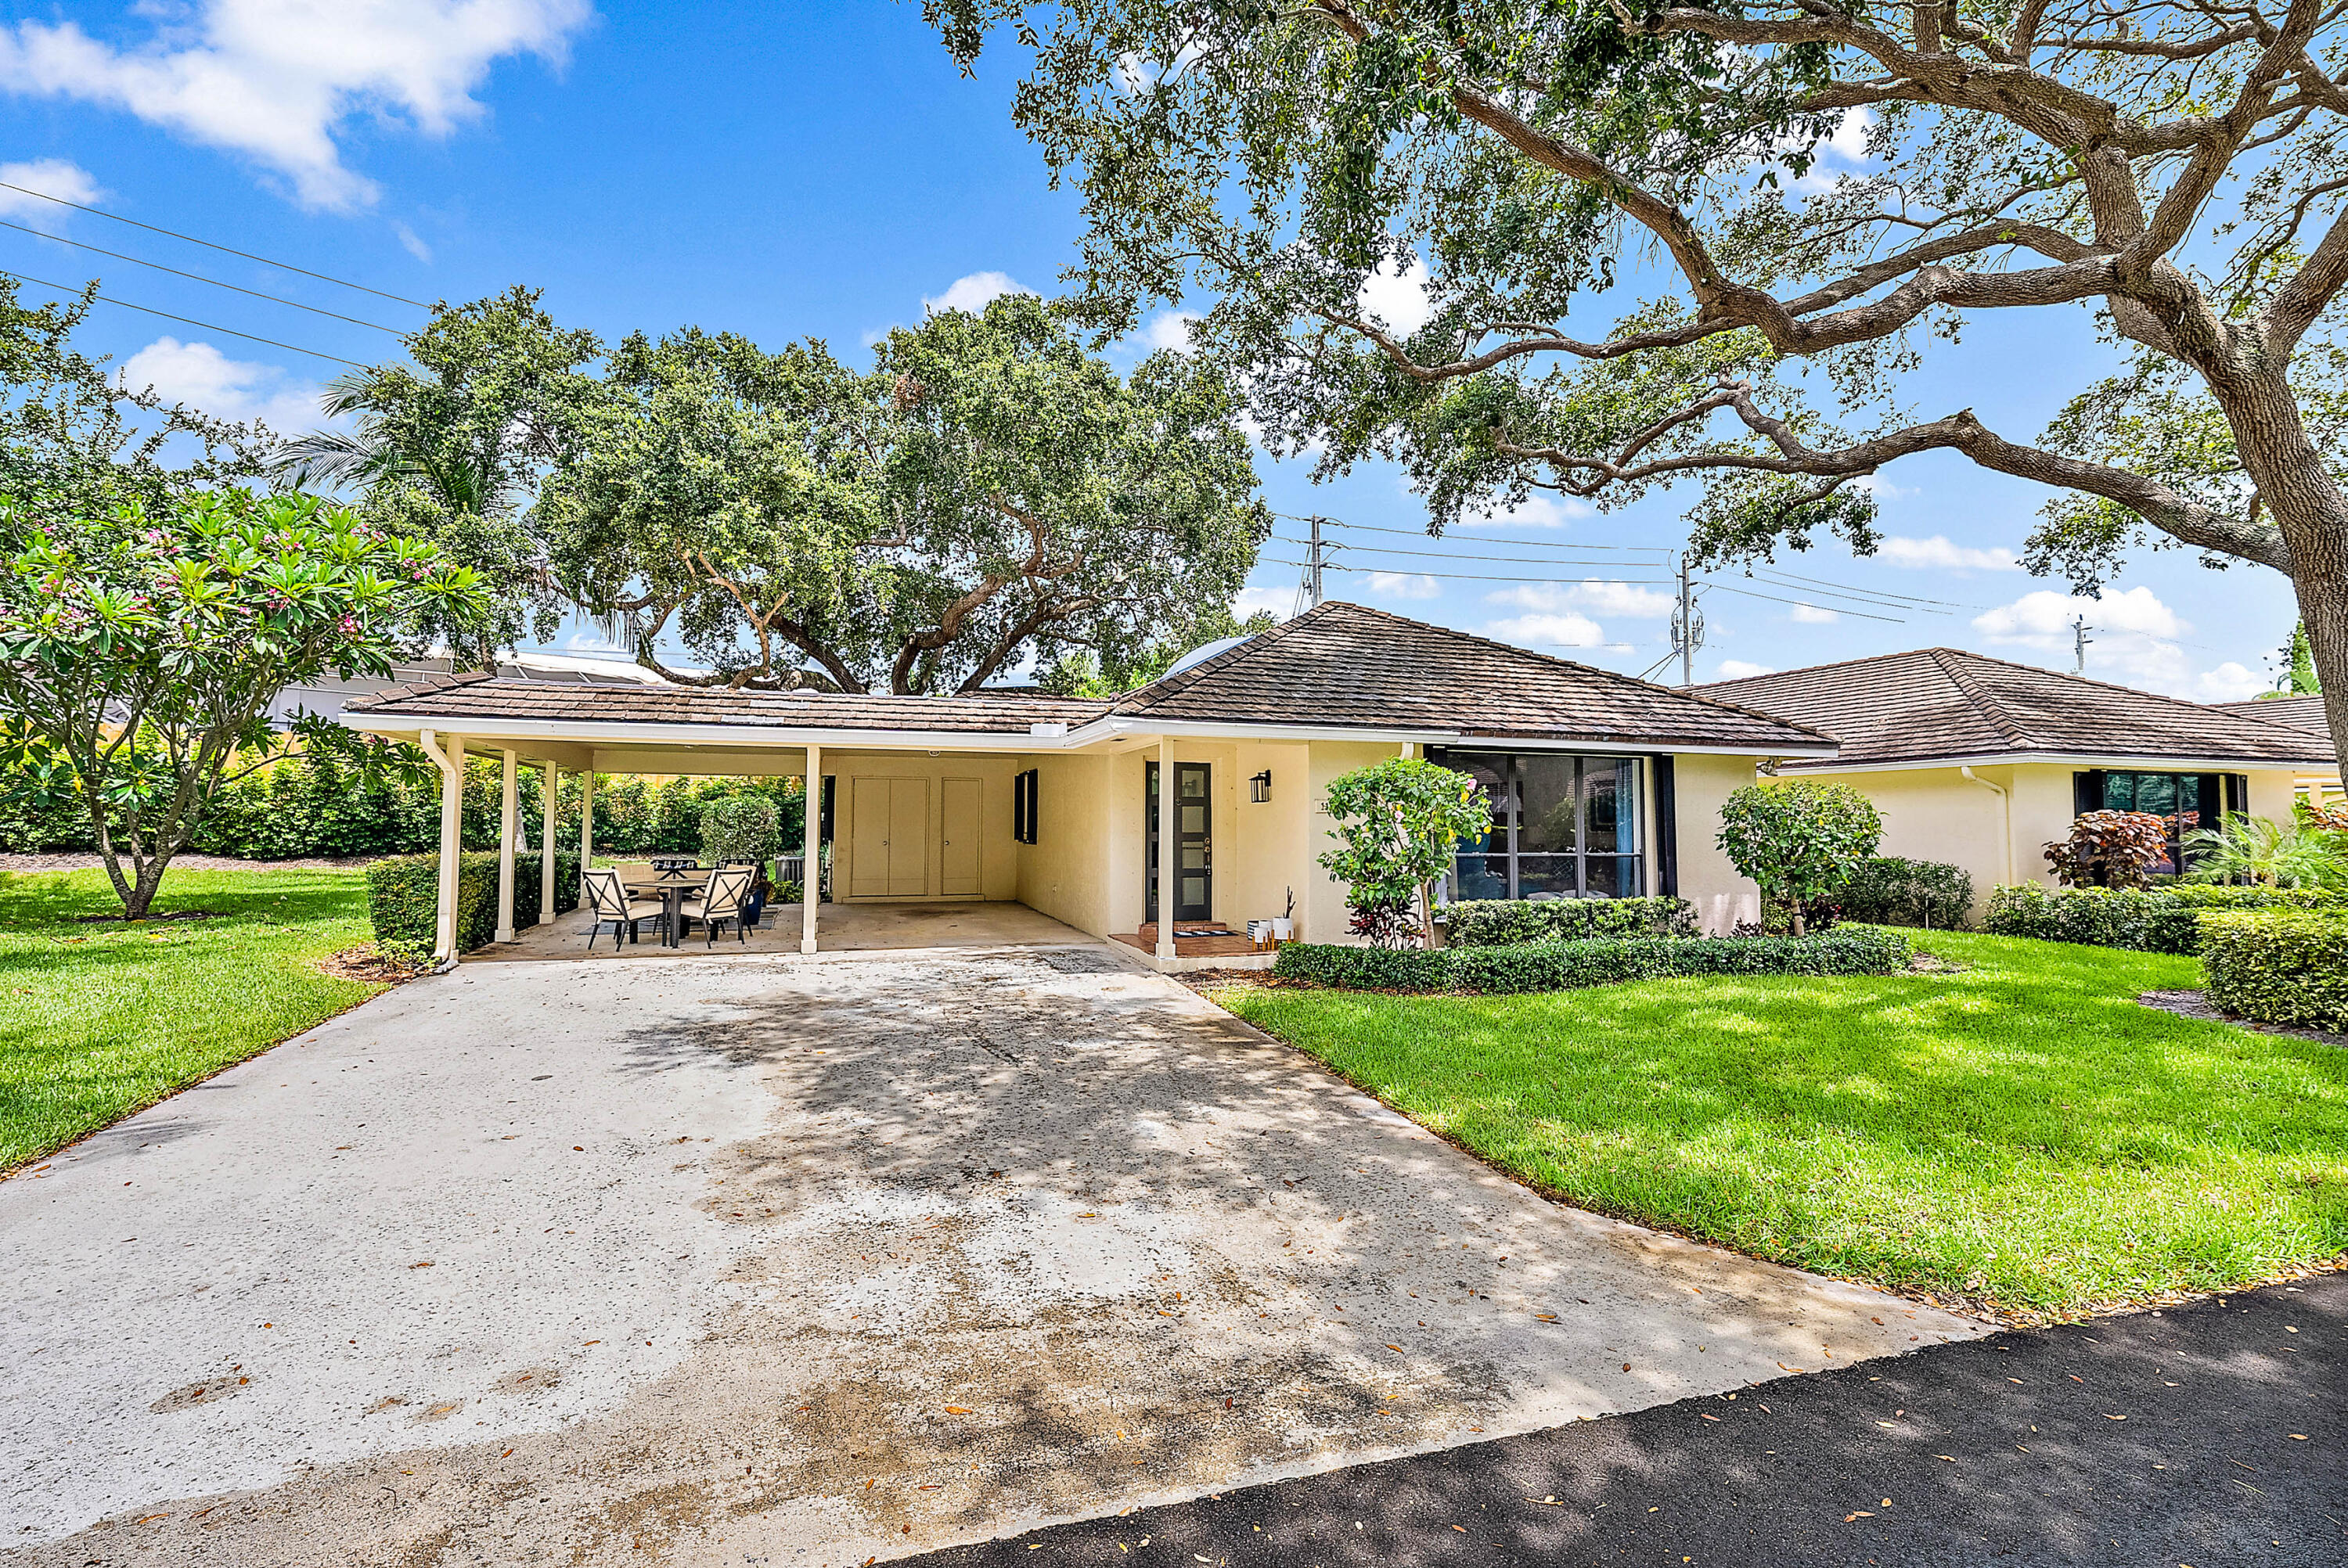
329,694
1601,784
1980,763
2320,782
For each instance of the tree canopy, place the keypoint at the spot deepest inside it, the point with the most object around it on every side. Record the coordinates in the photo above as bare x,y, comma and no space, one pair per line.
1636,269
985,492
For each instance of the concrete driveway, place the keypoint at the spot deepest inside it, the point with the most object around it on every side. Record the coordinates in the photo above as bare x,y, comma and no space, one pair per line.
779,1260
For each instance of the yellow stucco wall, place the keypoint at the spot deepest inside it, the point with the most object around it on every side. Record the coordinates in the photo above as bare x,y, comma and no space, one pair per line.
1061,874
1700,787
998,850
1936,814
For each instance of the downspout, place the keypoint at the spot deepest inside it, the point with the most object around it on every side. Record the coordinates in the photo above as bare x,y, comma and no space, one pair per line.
428,742
2005,802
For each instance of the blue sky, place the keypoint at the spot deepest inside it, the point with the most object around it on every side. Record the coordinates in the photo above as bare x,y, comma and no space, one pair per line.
824,170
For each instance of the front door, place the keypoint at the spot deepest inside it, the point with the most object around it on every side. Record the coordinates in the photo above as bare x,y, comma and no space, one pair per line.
1194,873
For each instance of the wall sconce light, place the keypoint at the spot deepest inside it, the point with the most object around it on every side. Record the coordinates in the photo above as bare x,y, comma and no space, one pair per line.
1260,787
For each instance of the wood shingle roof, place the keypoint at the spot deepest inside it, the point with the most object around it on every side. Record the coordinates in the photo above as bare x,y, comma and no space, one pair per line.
1345,666
2299,712
482,697
1948,703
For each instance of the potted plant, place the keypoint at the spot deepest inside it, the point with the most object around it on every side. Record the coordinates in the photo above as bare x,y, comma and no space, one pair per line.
743,830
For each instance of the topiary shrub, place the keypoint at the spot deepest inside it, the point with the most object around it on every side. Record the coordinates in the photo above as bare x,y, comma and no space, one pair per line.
1889,891
403,893
1597,961
2283,967
740,829
1503,922
1798,840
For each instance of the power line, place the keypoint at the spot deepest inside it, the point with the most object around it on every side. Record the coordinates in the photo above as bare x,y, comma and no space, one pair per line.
1856,596
188,321
1453,576
1459,555
190,238
1775,599
1539,544
1773,574
200,277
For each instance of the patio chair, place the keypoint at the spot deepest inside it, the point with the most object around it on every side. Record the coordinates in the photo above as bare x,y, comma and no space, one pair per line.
612,906
634,871
722,900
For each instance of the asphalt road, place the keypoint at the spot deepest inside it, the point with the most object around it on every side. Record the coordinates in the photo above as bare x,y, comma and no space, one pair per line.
2210,1434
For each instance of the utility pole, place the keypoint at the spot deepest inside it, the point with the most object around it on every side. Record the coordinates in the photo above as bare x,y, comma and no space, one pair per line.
1687,626
1312,566
2079,641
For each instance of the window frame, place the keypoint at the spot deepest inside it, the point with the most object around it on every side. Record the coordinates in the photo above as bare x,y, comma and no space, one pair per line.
1631,770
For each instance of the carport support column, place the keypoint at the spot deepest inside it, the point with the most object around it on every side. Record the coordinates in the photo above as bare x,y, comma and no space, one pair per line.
509,829
449,752
1166,894
586,818
810,852
546,802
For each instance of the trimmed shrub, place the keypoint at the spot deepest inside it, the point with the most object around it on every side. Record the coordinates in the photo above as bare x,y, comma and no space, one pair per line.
2142,919
1505,922
1887,890
403,890
2278,966
1595,961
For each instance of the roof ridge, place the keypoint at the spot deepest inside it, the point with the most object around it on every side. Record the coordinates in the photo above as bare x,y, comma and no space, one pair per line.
1829,664
1947,661
1182,681
420,688
1616,676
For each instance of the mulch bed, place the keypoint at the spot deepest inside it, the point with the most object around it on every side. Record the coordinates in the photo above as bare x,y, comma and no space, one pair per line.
363,963
2196,1004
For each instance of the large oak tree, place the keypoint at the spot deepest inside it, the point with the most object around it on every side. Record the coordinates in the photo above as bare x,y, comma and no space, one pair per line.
2176,166
985,492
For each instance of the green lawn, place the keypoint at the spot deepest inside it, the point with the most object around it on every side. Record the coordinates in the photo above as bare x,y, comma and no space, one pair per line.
2020,1134
99,1019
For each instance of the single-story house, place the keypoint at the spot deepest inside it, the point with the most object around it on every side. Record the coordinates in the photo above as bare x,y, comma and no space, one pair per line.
1601,784
2319,782
1980,763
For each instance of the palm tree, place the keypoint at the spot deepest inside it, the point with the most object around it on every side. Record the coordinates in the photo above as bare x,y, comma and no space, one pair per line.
2268,853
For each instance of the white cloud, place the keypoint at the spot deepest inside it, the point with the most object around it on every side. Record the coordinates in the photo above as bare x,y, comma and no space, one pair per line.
1398,300
1538,510
1937,554
1847,144
1403,585
1811,615
277,79
1738,670
1849,139
1622,599
1279,599
412,243
1167,328
51,177
2131,634
207,380
972,293
2229,682
1566,630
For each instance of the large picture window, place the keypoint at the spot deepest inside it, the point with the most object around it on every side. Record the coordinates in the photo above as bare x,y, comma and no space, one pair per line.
1563,826
2182,801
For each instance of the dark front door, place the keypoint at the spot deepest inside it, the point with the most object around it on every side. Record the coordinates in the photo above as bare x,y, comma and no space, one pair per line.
1194,893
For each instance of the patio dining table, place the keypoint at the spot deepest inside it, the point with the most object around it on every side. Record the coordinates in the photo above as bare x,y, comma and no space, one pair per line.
672,890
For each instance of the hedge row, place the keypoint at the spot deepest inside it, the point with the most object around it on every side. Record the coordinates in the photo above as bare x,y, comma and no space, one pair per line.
307,806
1887,890
1505,922
2145,920
403,896
2279,966
1596,961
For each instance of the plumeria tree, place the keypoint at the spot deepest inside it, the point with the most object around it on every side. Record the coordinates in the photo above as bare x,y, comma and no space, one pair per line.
141,650
1397,824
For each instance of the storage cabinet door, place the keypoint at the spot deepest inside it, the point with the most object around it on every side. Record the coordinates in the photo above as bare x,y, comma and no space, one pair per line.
958,862
909,838
869,803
